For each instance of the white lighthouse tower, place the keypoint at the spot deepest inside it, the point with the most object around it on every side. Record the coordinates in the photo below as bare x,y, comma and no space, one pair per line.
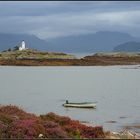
23,46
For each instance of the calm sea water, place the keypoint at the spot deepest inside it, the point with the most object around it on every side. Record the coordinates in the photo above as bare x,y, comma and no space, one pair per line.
44,89
81,55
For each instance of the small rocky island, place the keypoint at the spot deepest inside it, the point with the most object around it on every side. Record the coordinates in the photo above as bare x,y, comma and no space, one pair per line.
30,57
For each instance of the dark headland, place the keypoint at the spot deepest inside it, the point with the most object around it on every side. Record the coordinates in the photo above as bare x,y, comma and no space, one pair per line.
42,58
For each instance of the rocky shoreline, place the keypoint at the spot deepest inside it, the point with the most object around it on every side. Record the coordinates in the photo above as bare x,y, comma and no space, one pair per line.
100,59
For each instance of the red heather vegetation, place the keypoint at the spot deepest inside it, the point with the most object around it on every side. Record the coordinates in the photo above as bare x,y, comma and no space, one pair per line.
16,123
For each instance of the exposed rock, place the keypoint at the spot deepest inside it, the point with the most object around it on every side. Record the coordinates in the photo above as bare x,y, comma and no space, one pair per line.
122,135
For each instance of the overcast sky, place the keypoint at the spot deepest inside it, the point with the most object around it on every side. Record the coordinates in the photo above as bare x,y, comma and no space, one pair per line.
58,18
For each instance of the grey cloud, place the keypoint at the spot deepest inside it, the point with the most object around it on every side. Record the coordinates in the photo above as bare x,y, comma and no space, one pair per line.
39,8
55,19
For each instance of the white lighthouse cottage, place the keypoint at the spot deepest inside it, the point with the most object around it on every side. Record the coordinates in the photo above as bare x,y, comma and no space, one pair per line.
22,46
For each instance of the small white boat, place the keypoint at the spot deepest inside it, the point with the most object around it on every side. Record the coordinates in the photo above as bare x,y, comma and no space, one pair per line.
80,105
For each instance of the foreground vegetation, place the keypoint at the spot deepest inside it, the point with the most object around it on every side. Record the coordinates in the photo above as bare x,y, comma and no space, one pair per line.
16,123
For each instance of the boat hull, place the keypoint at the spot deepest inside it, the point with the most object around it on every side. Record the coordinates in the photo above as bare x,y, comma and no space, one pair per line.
80,105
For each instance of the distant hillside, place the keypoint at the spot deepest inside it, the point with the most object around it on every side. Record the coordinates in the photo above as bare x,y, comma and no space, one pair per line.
128,47
11,40
103,41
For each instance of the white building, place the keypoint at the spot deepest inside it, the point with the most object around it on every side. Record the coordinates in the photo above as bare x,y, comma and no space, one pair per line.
22,46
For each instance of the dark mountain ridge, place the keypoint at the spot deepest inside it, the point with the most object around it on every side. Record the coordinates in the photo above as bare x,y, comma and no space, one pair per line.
128,47
102,41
